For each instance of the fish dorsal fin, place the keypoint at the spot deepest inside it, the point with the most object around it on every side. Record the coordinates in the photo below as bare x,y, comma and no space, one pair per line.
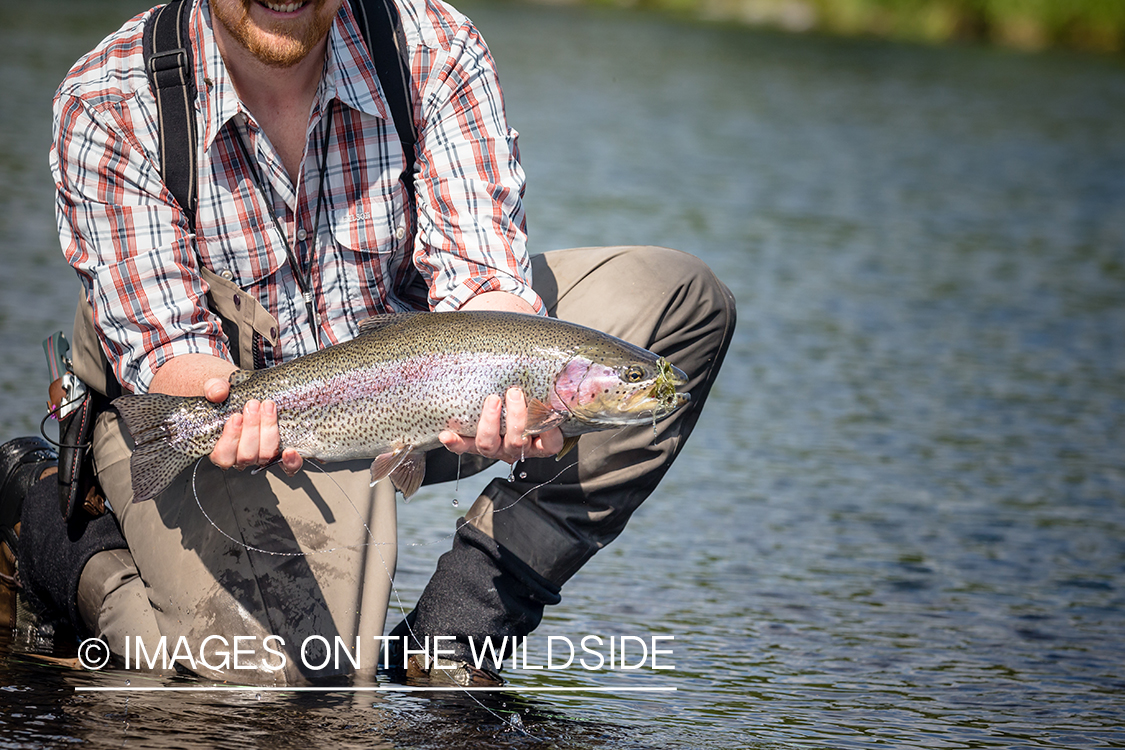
541,417
238,377
377,322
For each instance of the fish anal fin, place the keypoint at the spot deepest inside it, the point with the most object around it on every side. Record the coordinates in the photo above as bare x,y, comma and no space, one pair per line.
541,417
408,476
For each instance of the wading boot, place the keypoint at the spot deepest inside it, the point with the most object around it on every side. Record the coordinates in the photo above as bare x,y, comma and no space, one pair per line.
448,672
23,462
435,671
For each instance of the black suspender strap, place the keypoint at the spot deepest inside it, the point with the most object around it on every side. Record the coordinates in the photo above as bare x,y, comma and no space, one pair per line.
381,27
168,63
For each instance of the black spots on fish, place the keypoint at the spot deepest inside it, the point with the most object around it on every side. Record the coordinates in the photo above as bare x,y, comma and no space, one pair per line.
153,466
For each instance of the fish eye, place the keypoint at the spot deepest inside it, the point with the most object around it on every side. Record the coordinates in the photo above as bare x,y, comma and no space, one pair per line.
634,374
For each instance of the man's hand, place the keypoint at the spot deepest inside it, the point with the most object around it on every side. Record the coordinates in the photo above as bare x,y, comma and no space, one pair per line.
510,446
250,438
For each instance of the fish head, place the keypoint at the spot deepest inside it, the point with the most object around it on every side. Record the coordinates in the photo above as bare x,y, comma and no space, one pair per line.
602,392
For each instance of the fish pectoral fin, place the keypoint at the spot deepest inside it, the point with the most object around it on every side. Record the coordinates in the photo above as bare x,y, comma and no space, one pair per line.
405,466
410,473
541,417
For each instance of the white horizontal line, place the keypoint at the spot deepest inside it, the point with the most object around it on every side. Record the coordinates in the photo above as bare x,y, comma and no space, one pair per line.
387,689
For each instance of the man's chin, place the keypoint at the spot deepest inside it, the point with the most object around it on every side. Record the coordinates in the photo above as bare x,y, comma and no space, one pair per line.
275,41
278,52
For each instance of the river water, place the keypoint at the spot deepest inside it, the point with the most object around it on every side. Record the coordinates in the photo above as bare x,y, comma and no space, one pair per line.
901,520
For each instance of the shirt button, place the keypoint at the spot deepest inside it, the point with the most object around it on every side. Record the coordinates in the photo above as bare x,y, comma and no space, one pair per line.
227,274
302,234
400,233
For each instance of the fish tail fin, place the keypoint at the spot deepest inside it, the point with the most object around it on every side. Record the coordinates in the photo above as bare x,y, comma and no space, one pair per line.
155,462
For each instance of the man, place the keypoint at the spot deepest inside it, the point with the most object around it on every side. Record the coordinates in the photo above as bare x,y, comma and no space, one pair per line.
305,221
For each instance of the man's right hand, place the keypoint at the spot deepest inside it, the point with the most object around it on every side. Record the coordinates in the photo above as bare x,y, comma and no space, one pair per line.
250,438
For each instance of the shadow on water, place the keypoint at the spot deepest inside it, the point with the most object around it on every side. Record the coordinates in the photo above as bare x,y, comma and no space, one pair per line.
900,522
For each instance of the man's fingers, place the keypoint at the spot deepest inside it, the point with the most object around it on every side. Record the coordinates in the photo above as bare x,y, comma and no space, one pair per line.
513,444
226,450
454,443
248,444
488,441
253,438
291,461
216,390
269,440
515,420
549,443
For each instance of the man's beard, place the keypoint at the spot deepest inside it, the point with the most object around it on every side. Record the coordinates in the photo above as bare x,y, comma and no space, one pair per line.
274,46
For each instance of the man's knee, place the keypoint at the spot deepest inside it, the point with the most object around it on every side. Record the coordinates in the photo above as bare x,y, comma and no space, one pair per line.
639,292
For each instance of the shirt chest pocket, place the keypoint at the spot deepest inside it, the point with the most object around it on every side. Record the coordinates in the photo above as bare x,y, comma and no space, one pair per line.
368,252
374,223
247,255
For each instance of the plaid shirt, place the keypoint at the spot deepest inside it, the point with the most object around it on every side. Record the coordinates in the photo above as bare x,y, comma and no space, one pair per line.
138,257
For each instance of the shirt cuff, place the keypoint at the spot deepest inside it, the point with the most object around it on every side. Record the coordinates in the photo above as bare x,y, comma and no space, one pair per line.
470,288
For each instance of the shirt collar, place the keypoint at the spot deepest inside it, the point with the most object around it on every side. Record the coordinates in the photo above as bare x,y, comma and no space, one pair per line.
349,73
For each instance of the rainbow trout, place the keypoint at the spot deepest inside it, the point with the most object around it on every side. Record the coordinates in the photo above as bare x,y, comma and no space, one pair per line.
389,392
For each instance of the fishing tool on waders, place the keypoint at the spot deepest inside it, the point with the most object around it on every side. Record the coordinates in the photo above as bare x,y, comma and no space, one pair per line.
72,404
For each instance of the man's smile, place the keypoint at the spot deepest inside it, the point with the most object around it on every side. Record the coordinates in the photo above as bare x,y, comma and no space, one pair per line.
283,7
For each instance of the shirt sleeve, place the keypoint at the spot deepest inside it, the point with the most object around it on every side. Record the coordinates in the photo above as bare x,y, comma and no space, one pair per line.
471,236
129,241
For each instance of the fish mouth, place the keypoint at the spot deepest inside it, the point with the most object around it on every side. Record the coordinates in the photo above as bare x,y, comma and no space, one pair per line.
668,379
642,402
654,403
660,398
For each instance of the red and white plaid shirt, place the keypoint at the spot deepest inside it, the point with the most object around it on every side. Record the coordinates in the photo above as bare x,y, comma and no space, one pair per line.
138,258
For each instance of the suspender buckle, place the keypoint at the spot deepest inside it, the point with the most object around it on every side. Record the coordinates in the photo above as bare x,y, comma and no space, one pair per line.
170,68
